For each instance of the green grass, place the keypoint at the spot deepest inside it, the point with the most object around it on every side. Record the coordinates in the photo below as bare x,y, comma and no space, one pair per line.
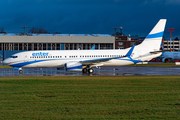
5,66
131,97
157,65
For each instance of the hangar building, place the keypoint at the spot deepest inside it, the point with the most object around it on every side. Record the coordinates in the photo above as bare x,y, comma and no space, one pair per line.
13,43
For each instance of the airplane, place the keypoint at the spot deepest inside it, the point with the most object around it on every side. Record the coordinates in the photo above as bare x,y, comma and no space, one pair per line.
86,60
169,56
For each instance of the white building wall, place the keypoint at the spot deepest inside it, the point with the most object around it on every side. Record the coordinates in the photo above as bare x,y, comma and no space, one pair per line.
55,39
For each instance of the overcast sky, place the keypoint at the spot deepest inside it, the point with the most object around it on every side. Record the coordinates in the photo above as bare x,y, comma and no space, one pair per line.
137,17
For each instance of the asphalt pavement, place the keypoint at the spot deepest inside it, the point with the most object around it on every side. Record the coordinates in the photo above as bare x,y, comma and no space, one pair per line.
103,71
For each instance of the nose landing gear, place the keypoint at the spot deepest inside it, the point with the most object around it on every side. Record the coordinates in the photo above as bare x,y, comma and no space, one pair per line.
20,71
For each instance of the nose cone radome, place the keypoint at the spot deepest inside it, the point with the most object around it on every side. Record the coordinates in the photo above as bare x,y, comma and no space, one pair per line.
7,61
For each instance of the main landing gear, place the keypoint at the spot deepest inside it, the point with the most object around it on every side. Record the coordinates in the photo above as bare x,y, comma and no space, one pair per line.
87,69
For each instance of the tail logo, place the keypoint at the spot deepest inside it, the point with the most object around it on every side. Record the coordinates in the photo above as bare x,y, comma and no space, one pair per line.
156,35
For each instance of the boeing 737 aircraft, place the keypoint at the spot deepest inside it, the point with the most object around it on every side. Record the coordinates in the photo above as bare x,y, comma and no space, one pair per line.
169,56
85,60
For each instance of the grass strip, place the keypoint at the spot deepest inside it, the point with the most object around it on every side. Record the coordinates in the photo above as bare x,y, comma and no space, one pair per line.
156,65
121,97
5,66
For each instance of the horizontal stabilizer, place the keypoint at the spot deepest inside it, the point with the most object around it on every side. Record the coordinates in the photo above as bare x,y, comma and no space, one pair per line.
160,51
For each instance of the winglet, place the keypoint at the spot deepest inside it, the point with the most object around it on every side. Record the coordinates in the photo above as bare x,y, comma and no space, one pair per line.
130,51
93,47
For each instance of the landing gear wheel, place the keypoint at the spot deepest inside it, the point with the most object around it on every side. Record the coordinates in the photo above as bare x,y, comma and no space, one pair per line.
90,70
84,70
20,71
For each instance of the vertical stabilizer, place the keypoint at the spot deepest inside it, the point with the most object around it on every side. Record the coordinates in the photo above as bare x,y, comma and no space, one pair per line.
153,40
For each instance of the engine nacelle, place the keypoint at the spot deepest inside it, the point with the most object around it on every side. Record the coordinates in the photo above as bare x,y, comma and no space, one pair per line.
164,60
73,66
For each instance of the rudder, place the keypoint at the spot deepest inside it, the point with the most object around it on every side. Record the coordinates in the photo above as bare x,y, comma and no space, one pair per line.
154,38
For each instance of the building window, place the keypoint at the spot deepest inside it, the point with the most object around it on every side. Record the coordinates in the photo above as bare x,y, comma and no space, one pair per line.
71,46
53,46
25,46
35,46
11,46
29,46
49,46
40,46
58,46
20,46
84,46
44,46
120,43
117,38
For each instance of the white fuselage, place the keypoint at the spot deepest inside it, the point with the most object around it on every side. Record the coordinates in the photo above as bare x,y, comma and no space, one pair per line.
58,58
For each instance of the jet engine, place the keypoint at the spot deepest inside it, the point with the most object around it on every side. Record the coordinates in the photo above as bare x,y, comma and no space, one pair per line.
73,66
164,60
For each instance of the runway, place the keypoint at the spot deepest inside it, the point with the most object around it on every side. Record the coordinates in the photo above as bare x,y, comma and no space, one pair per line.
104,71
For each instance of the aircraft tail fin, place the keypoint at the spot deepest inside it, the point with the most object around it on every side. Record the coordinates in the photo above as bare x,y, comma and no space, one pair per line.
154,38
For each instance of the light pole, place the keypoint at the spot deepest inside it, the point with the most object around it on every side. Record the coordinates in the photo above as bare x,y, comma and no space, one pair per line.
170,30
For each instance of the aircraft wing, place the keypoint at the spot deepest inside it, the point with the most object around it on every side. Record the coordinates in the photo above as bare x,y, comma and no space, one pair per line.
95,61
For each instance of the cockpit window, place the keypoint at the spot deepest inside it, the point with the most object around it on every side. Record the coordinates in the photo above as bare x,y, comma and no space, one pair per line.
14,56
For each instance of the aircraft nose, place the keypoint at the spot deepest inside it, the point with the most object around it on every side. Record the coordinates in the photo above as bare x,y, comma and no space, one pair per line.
7,61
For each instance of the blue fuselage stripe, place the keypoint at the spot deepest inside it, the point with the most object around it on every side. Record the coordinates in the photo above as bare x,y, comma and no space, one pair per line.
27,63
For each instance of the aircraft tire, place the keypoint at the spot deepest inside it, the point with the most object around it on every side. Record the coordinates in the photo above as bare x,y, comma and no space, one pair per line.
84,70
20,71
90,70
